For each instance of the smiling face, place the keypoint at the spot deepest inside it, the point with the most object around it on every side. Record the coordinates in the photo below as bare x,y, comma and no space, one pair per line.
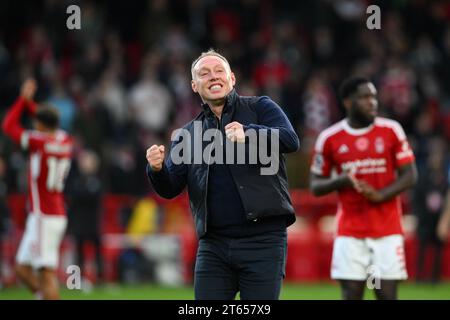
212,79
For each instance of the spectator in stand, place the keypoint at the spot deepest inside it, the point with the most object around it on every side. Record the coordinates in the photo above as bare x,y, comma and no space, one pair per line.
4,213
84,191
443,229
150,101
428,205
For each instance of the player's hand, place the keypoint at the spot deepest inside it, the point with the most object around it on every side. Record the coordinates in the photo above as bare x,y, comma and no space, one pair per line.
443,229
235,132
355,183
349,179
369,192
155,157
28,89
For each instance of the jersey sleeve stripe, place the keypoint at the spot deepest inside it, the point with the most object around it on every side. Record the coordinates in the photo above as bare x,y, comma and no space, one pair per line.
25,140
35,163
404,154
395,126
325,135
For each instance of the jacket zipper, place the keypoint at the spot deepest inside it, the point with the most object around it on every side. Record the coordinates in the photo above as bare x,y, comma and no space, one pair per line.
207,176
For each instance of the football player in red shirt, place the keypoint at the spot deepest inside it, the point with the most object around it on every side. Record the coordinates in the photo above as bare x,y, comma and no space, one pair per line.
50,152
368,161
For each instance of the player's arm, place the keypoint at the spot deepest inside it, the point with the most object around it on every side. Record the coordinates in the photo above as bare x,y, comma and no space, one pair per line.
168,179
11,123
270,117
321,180
406,170
407,177
321,185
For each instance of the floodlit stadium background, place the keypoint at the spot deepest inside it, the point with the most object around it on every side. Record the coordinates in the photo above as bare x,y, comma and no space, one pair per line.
122,83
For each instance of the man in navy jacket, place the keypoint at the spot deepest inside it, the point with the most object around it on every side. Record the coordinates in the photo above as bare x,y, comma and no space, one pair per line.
230,157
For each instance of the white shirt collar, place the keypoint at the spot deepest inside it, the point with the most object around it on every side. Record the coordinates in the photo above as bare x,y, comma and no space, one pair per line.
356,132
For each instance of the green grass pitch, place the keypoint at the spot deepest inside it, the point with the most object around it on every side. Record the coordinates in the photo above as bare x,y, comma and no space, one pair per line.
290,291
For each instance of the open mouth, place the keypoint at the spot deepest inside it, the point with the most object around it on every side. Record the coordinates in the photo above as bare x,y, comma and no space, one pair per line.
215,87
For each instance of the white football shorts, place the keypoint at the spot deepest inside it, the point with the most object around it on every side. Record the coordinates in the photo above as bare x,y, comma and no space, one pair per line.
41,240
359,259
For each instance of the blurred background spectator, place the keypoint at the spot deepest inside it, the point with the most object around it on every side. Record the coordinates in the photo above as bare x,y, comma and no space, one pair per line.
122,81
429,202
84,194
4,214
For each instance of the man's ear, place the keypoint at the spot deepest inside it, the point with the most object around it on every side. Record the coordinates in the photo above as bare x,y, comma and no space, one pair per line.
193,86
347,103
233,78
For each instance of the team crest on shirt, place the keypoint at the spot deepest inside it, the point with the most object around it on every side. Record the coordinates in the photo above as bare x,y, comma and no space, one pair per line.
379,145
362,144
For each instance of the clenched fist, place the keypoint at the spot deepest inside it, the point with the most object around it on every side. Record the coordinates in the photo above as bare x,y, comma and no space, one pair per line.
155,157
235,132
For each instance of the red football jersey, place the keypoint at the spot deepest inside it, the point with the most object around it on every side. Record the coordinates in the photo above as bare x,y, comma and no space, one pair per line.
50,160
373,153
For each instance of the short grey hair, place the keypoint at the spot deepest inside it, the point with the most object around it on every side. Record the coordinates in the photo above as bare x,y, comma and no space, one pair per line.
210,52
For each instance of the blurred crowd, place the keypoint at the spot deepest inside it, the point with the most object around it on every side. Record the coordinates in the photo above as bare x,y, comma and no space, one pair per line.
122,82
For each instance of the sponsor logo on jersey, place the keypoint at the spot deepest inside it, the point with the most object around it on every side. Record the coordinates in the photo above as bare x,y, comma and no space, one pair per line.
58,148
365,166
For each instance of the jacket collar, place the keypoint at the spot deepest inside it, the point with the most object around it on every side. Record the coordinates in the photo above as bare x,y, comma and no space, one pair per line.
230,100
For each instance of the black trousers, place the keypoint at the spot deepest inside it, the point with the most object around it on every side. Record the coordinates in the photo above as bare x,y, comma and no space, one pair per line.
96,241
254,266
